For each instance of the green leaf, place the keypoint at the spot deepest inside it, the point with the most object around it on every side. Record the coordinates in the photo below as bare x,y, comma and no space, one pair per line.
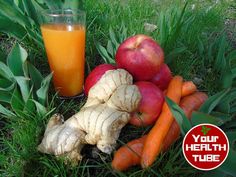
6,72
2,54
5,96
6,85
13,13
199,118
31,11
52,4
6,112
103,52
213,173
72,4
220,59
35,76
42,92
29,104
11,28
227,75
200,47
174,53
35,35
17,103
16,60
113,37
41,110
110,48
233,71
213,101
229,165
179,116
24,86
224,105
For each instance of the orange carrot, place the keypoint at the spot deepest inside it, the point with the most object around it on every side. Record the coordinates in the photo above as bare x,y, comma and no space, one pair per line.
188,104
133,149
128,155
155,137
188,88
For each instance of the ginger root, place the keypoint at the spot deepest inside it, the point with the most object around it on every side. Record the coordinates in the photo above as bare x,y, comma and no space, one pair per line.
107,110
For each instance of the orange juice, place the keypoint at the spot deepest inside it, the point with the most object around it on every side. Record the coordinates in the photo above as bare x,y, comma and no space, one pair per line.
65,48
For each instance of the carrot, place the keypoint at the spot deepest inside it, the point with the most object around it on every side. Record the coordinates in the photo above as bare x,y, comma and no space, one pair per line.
155,137
188,104
133,149
128,155
188,88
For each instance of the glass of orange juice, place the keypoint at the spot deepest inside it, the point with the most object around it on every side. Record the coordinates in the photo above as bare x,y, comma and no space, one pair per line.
63,34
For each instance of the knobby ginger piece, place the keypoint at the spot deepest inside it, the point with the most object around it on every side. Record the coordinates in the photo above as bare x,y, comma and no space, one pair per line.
106,86
107,111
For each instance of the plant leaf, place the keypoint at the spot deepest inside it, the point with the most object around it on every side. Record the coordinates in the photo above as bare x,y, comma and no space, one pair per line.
103,52
213,101
29,104
6,85
13,13
199,118
41,110
35,76
42,92
110,48
11,28
5,96
24,86
179,116
174,53
113,37
228,166
17,103
227,75
72,4
31,11
52,4
16,60
6,72
220,59
6,112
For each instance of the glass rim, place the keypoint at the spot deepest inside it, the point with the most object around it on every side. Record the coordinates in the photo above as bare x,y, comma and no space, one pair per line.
61,12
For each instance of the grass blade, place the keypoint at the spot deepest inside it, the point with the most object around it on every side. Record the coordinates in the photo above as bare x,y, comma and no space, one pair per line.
199,118
213,101
228,166
6,112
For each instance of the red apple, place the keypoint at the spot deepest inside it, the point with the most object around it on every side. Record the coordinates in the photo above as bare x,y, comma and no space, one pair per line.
150,105
163,77
141,56
95,75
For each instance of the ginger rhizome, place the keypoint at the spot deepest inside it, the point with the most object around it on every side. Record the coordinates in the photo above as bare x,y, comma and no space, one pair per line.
107,110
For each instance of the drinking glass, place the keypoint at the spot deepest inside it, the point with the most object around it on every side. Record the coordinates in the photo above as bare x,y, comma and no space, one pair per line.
63,34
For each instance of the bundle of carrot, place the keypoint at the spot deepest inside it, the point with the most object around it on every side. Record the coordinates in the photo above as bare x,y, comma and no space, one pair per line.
143,151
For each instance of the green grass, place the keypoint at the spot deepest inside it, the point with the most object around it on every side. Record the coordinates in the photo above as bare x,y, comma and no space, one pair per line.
186,40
